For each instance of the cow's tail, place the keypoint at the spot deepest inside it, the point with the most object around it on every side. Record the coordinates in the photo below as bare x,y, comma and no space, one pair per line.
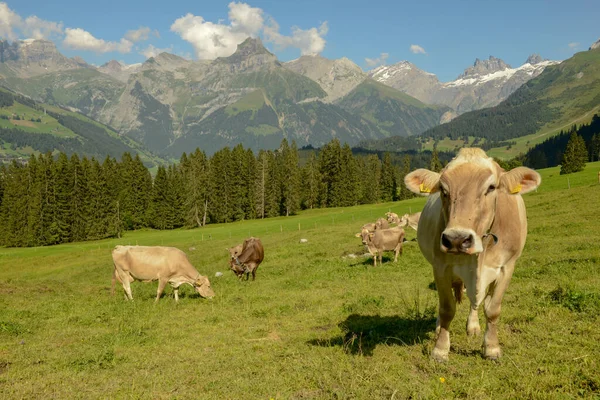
458,287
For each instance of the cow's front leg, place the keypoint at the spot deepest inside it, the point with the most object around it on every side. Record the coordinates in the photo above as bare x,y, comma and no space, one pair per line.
176,293
161,286
473,328
443,281
493,301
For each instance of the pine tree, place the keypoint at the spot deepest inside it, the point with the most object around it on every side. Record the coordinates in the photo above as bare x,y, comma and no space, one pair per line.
159,207
250,183
330,170
63,195
311,182
238,189
49,230
595,148
388,184
196,190
371,179
349,183
100,207
80,198
291,178
111,172
575,155
436,164
405,170
273,195
14,208
219,205
261,179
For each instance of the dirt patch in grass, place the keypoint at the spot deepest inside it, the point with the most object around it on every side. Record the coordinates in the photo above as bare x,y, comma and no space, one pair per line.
28,124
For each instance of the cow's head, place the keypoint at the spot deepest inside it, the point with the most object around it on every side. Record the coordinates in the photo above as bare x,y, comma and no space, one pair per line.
235,251
366,236
202,286
403,220
468,187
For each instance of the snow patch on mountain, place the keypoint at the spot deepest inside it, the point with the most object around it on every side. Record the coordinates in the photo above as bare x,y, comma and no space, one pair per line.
502,75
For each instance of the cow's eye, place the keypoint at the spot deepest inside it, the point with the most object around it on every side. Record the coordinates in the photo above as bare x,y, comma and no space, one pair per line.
490,189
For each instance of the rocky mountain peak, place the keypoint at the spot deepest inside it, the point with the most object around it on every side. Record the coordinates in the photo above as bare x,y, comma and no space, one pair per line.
112,66
249,54
484,67
595,45
534,59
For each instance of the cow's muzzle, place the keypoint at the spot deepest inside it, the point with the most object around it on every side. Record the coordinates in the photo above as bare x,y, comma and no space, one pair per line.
460,241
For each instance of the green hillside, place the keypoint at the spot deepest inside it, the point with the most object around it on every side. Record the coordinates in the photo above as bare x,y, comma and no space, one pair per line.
28,127
393,112
563,94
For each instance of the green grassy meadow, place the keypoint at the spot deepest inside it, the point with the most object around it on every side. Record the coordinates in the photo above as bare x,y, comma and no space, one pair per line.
317,322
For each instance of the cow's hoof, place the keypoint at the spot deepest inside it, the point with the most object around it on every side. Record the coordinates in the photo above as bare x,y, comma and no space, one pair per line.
473,330
439,355
492,353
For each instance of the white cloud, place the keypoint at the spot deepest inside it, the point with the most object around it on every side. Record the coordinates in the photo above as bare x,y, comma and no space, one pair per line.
309,41
9,20
83,40
376,62
137,35
416,49
37,28
574,45
220,39
151,51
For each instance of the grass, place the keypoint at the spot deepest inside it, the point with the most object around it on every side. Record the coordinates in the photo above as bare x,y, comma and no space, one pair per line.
47,124
317,323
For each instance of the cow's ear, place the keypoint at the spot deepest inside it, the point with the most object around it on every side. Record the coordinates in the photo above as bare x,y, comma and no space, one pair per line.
422,181
358,235
520,180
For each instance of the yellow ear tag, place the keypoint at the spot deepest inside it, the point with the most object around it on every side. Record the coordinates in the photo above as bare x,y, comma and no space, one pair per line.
516,189
424,189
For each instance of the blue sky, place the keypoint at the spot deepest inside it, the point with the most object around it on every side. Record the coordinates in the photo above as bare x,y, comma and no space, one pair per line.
445,37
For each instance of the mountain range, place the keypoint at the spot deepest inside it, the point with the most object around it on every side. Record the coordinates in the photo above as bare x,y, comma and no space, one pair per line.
485,84
169,104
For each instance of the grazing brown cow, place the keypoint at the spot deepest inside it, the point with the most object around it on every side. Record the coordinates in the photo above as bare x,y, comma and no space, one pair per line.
472,231
384,240
156,263
248,260
411,220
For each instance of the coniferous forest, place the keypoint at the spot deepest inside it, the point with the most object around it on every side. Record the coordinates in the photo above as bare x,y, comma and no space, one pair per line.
57,199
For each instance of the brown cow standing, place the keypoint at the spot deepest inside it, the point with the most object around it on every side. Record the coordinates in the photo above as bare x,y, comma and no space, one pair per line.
247,261
383,240
472,231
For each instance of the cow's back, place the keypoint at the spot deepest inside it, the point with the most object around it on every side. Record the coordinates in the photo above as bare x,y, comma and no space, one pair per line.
388,239
150,262
253,251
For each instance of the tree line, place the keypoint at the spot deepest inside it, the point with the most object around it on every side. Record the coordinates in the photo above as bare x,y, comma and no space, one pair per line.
584,145
57,199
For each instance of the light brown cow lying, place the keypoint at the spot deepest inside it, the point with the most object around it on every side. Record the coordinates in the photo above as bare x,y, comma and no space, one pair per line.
246,257
473,203
151,263
411,220
383,240
392,218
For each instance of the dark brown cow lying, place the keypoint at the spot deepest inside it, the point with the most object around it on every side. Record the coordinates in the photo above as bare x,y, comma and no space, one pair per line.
248,259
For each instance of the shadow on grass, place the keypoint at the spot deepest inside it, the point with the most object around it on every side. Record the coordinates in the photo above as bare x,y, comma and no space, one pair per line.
362,333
